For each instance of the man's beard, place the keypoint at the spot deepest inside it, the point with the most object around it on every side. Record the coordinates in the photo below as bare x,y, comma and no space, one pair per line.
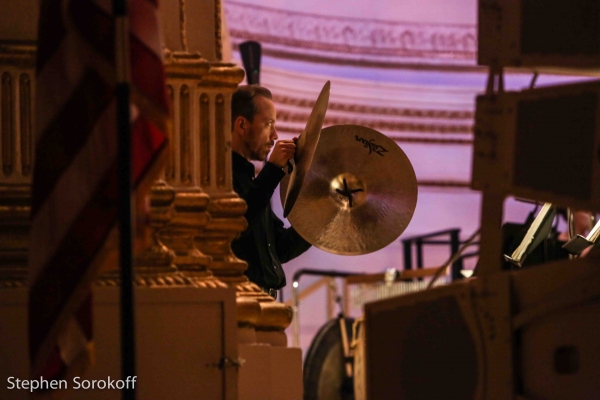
262,155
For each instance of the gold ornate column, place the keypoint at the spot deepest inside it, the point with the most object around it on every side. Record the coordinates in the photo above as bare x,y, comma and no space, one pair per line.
227,208
184,73
202,87
154,266
17,93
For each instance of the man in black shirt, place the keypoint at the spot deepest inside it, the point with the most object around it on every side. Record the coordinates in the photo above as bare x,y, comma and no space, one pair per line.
265,244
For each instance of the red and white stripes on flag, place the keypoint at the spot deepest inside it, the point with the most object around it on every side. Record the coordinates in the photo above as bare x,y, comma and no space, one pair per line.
74,190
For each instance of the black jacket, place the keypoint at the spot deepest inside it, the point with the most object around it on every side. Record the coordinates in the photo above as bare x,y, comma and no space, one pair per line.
265,244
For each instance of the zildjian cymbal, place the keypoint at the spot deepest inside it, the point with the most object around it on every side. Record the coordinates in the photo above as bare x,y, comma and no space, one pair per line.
305,148
359,194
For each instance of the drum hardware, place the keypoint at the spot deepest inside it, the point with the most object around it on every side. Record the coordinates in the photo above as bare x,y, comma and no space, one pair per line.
305,149
440,270
579,243
251,51
297,296
358,351
330,353
346,347
537,232
450,237
359,194
331,369
348,355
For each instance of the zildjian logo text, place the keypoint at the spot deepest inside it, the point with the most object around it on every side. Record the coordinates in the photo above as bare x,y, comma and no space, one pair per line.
372,146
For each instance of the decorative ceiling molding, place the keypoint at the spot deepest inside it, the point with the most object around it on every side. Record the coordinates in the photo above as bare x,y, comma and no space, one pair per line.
375,110
299,35
379,124
295,131
406,114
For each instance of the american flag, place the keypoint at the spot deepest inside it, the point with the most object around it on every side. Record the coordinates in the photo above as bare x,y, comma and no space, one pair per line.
74,190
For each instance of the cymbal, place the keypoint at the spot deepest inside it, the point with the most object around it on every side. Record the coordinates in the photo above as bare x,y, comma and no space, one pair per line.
305,148
359,194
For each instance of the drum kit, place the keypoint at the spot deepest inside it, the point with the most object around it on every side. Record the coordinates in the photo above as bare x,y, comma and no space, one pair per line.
351,191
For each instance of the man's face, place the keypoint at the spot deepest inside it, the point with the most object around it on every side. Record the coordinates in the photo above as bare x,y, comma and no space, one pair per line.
262,134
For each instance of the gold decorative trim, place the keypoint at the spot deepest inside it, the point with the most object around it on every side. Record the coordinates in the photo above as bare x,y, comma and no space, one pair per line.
8,133
171,150
13,279
218,31
182,27
15,223
183,65
274,315
25,123
223,76
204,140
141,279
185,142
221,148
17,54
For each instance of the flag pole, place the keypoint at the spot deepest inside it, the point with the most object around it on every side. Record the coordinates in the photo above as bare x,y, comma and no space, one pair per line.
125,184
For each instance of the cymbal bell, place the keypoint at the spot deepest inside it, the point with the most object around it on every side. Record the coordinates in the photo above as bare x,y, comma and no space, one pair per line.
359,194
305,148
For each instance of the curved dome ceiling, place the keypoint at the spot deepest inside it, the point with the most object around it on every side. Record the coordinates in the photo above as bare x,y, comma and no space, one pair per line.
405,68
382,33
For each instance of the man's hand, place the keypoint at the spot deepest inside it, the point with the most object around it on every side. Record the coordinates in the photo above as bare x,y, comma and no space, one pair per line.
283,151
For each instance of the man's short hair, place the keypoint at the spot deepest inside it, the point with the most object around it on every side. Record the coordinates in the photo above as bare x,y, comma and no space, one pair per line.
243,103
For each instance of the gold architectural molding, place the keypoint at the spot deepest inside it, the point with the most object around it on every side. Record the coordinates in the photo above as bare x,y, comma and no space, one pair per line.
184,65
221,142
185,136
12,278
189,219
204,122
17,77
248,311
25,123
226,223
274,315
17,54
14,234
224,75
144,279
182,26
209,112
7,115
218,31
